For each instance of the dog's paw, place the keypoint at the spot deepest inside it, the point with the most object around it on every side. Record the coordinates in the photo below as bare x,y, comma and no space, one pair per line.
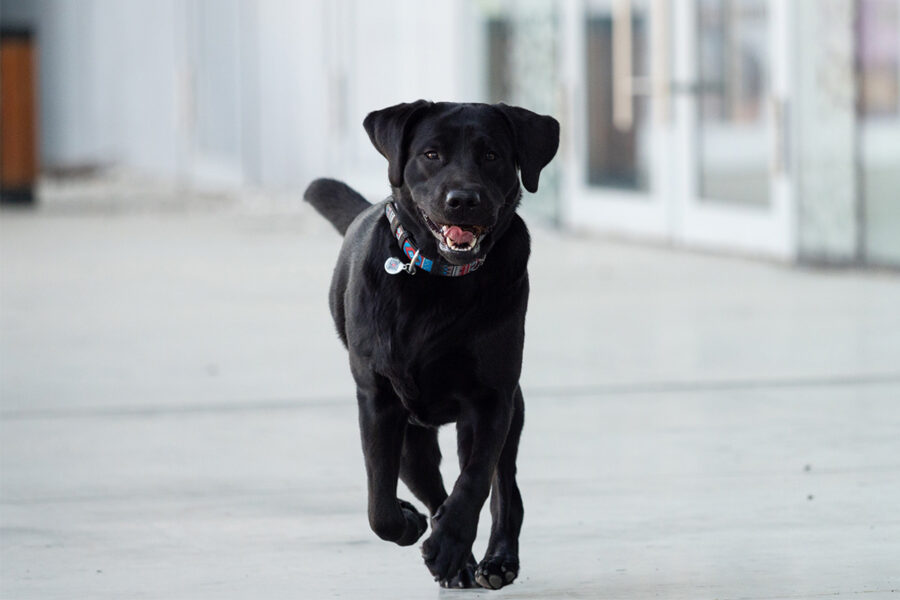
416,524
495,572
464,579
445,552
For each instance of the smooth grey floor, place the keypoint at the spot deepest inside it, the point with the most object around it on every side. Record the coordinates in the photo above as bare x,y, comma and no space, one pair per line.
178,420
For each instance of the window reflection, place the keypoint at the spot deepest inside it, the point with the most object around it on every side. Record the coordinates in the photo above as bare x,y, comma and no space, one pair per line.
878,106
733,74
878,57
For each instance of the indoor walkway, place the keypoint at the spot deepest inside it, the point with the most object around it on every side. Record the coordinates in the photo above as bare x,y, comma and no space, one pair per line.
178,418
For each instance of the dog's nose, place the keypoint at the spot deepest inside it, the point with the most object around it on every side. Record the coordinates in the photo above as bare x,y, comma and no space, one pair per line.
457,199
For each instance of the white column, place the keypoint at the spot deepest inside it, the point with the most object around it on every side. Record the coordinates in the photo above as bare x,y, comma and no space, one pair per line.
823,107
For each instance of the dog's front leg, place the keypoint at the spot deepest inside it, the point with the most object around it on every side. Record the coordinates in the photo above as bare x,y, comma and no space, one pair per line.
501,561
482,428
382,423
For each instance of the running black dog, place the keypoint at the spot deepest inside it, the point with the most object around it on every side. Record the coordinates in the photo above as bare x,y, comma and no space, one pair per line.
436,336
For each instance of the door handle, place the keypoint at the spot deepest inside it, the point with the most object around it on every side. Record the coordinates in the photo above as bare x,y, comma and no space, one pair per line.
781,142
660,74
625,85
623,111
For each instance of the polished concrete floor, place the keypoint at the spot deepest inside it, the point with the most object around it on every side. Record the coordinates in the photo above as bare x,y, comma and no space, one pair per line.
177,418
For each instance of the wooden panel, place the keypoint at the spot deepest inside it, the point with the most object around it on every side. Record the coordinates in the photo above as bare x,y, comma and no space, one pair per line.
18,131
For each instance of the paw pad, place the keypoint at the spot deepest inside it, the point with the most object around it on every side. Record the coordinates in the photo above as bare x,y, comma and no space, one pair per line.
494,575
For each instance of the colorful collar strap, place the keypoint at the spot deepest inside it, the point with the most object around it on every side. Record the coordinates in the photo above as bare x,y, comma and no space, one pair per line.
436,266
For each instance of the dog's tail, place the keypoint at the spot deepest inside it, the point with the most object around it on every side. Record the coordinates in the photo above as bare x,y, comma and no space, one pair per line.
336,201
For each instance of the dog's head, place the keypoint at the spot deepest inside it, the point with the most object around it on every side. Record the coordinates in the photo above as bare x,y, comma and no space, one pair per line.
455,169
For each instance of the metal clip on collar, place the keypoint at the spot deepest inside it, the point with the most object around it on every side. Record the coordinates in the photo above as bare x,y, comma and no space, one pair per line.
394,265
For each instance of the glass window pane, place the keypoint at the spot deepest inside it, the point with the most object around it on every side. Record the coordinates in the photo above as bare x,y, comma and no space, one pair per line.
617,157
499,48
878,97
733,67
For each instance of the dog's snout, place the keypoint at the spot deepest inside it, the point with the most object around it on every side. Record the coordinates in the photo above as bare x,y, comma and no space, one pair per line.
462,199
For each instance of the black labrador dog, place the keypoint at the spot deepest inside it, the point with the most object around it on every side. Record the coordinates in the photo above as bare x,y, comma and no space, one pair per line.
429,296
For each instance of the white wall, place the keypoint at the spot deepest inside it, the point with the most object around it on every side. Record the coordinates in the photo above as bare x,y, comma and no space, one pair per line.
291,107
137,97
119,82
399,52
108,81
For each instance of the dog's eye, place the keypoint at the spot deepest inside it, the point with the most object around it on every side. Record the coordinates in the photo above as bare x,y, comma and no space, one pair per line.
432,155
490,156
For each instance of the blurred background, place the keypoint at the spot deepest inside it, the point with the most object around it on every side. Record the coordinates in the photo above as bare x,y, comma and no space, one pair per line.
711,363
759,127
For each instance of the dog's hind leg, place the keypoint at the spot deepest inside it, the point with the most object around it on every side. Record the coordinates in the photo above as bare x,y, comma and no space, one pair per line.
501,561
382,424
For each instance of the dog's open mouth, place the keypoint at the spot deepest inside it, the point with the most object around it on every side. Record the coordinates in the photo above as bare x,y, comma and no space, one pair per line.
457,238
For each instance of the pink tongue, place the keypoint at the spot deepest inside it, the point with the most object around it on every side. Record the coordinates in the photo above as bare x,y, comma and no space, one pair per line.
459,236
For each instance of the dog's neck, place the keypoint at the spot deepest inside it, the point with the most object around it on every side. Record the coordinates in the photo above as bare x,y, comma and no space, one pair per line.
435,266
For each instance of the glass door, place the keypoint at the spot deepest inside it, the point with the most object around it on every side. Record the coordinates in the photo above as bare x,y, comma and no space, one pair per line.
731,80
615,62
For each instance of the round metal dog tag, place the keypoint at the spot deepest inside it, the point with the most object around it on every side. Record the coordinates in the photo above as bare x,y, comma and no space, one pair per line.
393,265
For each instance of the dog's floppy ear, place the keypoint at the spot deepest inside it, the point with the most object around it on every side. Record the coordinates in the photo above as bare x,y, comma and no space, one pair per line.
387,128
536,141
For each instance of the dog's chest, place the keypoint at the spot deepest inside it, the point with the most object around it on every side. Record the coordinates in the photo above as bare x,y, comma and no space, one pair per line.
429,360
434,392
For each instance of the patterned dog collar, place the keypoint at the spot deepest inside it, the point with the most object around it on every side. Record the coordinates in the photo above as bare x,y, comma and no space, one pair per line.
435,266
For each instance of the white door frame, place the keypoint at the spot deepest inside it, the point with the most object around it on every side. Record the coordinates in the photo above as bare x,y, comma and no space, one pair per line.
584,206
764,230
